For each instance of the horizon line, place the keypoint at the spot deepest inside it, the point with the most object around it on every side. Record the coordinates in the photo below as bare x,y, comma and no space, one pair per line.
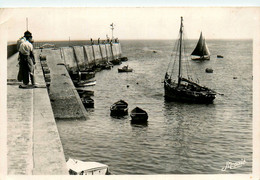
208,39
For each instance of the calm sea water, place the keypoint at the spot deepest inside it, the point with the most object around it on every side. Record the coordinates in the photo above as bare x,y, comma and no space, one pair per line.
180,138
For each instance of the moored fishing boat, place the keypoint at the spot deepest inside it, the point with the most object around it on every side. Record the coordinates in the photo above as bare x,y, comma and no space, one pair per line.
88,102
78,167
123,59
201,51
209,70
138,115
180,88
119,108
116,61
85,83
125,69
84,92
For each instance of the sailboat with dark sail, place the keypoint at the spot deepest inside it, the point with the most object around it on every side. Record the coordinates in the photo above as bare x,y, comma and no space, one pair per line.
201,51
180,88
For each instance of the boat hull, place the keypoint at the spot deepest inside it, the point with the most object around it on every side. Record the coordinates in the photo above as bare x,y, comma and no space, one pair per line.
88,102
124,59
124,70
119,108
209,70
138,116
119,112
175,94
200,59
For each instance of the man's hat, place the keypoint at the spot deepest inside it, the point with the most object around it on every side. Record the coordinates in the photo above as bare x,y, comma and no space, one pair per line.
27,34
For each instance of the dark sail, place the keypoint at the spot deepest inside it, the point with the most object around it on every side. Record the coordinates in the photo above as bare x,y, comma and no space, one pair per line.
201,49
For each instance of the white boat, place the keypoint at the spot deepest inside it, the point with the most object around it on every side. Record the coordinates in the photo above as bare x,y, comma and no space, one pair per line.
77,167
86,83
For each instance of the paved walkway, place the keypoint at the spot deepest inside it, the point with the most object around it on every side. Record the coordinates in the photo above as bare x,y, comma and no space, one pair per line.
33,142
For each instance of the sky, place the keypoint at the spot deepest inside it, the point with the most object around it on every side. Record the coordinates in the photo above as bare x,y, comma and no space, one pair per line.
123,3
81,23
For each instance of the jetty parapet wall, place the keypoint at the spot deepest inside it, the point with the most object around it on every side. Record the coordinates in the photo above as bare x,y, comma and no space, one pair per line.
88,56
33,142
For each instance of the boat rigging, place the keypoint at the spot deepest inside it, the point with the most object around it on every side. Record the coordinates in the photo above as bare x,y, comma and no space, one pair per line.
185,89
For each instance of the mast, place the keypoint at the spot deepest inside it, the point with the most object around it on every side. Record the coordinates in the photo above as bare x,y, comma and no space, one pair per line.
27,24
112,28
179,75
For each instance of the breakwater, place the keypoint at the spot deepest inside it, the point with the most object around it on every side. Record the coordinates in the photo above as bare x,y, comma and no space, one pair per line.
80,58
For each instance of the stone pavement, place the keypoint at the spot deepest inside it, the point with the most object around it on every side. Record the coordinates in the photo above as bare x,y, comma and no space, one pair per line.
65,100
33,142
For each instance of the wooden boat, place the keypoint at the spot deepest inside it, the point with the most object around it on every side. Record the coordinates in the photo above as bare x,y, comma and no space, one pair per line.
178,87
106,65
86,83
82,75
220,56
209,70
78,167
84,92
138,115
201,51
124,59
88,102
125,69
119,108
116,61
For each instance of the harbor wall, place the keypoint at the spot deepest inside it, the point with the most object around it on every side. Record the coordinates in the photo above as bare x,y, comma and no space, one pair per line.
87,56
11,50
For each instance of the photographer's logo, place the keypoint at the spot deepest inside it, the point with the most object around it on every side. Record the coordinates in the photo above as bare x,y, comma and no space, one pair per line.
234,165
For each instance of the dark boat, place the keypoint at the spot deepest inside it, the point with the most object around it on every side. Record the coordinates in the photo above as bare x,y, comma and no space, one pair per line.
138,115
124,59
84,92
201,51
220,56
116,61
88,102
209,70
106,65
125,69
179,88
119,108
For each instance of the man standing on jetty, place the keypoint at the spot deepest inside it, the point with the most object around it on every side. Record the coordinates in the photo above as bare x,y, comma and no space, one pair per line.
26,60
